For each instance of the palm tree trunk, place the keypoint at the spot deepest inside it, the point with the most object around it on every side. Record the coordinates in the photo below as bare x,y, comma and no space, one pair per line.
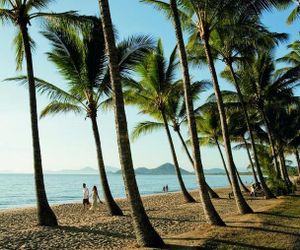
298,160
242,205
46,216
223,160
284,170
245,189
211,192
186,195
265,188
251,162
146,235
271,142
210,212
112,206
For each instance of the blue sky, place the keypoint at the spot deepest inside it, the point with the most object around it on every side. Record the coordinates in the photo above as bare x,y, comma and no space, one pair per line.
66,140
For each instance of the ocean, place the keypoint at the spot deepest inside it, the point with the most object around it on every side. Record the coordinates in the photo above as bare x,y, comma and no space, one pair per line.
17,190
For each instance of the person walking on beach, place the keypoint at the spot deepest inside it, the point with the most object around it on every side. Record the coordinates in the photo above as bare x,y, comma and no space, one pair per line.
95,198
167,189
85,201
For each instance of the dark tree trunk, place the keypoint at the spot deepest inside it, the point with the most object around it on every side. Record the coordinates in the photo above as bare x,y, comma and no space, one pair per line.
111,205
46,216
250,160
245,189
271,142
298,160
210,212
284,170
223,160
242,205
265,188
145,233
185,193
211,192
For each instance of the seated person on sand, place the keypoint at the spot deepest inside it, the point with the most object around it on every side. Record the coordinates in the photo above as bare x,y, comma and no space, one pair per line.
95,198
252,190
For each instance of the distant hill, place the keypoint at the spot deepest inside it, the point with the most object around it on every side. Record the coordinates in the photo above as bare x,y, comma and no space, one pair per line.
86,170
214,171
165,169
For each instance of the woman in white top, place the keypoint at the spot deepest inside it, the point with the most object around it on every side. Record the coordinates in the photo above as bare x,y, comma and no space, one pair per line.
95,198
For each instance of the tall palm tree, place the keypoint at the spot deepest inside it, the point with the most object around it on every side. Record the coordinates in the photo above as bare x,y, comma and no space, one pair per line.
153,94
79,54
21,13
267,90
210,212
145,233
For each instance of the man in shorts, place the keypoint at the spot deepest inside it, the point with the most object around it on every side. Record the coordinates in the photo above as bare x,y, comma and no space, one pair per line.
85,201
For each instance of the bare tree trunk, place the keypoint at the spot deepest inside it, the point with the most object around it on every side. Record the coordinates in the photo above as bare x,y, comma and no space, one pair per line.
250,160
145,233
284,170
46,216
265,188
211,192
241,203
210,212
111,205
223,160
185,193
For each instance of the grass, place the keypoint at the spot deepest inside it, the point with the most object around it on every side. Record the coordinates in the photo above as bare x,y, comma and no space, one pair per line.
271,227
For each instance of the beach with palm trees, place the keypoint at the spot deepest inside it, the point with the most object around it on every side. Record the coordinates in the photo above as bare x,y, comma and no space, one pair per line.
178,222
228,81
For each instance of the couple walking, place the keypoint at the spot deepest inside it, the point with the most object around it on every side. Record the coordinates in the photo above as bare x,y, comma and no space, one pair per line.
86,197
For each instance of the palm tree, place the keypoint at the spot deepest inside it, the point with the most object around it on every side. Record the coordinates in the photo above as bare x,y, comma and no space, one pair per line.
79,55
145,233
210,212
20,14
267,91
154,94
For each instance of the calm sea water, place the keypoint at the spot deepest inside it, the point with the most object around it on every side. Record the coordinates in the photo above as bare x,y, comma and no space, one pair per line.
17,190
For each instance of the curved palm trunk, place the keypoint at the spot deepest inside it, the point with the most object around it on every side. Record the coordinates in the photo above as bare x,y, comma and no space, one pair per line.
223,160
298,159
144,231
271,142
210,212
242,205
251,162
265,188
245,189
186,195
112,206
284,170
211,192
46,216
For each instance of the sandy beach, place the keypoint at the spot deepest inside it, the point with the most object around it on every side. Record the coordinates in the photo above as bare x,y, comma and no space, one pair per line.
96,230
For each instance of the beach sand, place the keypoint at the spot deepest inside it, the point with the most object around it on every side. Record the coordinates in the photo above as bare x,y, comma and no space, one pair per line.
169,214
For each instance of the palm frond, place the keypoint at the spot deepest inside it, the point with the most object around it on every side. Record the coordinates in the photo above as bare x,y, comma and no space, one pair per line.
56,107
145,127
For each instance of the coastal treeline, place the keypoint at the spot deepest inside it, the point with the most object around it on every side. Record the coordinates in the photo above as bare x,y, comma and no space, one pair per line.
260,113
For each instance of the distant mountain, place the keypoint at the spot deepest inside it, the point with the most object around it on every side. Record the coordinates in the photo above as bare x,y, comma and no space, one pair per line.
214,171
86,170
165,169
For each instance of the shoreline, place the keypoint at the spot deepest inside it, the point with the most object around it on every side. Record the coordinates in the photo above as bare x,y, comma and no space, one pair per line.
116,198
78,229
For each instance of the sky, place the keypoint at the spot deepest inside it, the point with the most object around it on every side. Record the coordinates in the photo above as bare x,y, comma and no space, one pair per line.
66,140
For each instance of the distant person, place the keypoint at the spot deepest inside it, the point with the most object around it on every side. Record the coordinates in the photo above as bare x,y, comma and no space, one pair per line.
95,198
85,201
167,189
164,189
252,190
